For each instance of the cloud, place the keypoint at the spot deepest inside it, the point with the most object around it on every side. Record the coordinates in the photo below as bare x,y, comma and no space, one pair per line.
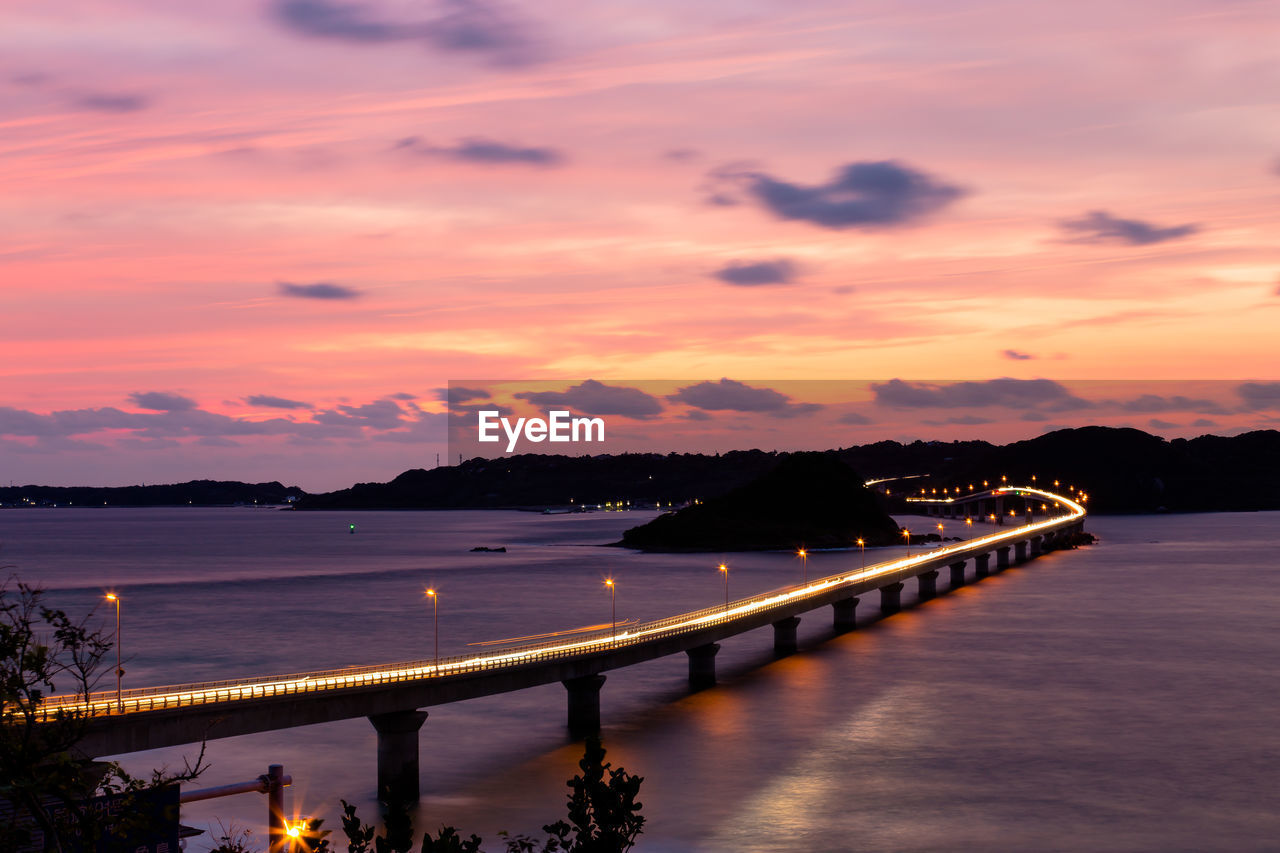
1156,423
854,419
380,414
1099,226
1260,395
1153,403
751,274
465,26
402,395
456,394
860,195
479,150
1017,356
320,290
1012,393
269,402
1203,422
681,155
596,398
733,396
111,102
161,401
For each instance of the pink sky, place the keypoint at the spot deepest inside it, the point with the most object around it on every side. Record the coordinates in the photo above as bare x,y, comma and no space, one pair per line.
799,191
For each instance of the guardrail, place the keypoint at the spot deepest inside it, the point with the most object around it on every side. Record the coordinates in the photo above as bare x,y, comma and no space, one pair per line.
744,610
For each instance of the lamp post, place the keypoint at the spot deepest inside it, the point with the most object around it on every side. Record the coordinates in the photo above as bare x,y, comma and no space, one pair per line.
435,623
111,596
725,570
907,533
862,547
804,563
613,606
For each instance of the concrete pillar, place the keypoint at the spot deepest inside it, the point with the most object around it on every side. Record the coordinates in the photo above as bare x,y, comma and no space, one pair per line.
891,598
928,584
1036,546
584,704
1020,552
398,755
702,665
784,635
981,566
957,574
1002,558
843,614
1000,511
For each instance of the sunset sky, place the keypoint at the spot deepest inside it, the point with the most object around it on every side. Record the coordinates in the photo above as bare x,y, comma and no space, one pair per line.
256,239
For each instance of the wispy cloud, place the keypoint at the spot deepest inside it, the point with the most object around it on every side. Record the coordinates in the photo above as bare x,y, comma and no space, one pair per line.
479,150
596,398
319,290
754,273
110,102
267,401
1015,355
1099,226
161,401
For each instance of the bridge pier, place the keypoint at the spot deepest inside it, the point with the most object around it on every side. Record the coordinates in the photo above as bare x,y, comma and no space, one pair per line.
1036,546
584,704
957,574
702,665
784,635
843,614
981,565
398,755
1002,558
928,584
1020,552
890,598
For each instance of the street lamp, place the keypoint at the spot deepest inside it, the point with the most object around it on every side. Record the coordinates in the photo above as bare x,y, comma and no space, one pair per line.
725,569
804,563
862,547
435,623
968,522
613,605
111,596
907,533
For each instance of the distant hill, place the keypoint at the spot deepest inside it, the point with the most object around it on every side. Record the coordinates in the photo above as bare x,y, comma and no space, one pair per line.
1124,470
192,493
810,500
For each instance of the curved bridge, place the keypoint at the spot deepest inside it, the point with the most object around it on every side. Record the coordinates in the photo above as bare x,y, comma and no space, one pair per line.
390,695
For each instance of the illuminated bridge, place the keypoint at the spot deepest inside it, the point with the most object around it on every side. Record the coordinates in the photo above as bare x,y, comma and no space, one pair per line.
391,695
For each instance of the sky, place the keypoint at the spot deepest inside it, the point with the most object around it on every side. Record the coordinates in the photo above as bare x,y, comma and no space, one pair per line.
258,239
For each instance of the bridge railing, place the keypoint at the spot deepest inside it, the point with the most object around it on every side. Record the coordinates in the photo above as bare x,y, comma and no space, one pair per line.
346,678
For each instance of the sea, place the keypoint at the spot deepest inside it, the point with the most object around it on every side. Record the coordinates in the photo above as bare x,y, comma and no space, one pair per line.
1120,697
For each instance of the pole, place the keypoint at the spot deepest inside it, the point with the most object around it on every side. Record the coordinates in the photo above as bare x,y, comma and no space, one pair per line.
277,836
435,624
804,564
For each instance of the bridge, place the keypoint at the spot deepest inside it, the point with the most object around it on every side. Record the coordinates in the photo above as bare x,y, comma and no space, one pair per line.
391,696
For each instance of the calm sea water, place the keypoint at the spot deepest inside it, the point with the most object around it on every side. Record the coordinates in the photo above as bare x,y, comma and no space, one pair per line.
1120,697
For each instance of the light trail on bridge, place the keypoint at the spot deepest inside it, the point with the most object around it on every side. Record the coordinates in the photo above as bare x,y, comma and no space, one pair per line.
142,700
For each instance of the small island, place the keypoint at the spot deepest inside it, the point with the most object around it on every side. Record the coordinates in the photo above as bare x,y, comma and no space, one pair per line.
809,500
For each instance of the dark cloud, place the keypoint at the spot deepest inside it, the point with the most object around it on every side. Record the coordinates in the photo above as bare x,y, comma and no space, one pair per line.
1156,423
860,195
696,415
456,394
270,402
30,78
1260,395
215,441
403,395
1017,356
733,396
111,102
1153,403
854,419
1099,226
320,290
1012,393
380,414
751,274
161,401
1203,422
463,26
479,150
596,398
